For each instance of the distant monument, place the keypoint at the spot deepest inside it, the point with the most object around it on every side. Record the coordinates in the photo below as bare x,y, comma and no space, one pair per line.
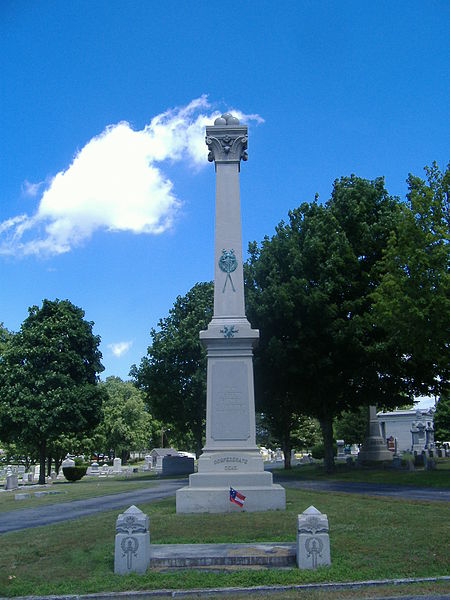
374,448
230,457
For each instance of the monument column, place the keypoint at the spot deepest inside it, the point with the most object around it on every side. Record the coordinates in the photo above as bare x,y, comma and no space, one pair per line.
230,457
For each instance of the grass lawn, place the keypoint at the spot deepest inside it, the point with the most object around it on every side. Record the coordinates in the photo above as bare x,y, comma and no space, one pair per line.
371,538
438,478
88,487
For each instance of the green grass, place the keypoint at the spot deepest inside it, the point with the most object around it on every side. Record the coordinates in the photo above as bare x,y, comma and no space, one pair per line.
371,538
88,487
429,588
439,478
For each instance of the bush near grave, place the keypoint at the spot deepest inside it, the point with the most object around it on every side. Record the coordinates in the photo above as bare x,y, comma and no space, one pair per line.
74,473
318,451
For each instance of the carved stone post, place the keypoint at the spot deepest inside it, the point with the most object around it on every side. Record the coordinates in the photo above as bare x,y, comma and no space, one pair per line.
230,457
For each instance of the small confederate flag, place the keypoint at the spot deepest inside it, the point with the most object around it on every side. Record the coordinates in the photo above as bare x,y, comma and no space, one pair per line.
236,497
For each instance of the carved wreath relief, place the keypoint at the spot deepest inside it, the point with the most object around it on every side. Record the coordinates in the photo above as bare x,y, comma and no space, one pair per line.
228,264
129,547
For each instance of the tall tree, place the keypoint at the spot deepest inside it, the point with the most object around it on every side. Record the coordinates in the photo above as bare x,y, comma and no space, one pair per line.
173,374
412,302
442,420
126,423
309,292
48,377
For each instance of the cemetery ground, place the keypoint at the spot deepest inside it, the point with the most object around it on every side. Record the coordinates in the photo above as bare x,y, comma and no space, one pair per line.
371,539
420,477
88,487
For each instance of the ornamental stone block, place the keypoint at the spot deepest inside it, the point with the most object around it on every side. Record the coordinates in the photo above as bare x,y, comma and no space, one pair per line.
132,550
313,540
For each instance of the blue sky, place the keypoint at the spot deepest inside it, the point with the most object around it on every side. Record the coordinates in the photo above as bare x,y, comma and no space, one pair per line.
106,195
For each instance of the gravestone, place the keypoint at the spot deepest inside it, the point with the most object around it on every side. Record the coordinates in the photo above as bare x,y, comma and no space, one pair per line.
340,449
12,481
313,539
95,468
230,456
117,465
132,549
177,465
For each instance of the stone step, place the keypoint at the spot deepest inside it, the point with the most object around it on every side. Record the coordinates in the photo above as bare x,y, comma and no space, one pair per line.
276,554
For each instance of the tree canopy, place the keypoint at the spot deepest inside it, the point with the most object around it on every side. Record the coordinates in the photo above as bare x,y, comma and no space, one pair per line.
126,424
48,378
412,302
442,420
173,374
309,292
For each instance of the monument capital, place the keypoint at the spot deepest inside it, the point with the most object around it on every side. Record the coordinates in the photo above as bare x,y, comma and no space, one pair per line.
227,140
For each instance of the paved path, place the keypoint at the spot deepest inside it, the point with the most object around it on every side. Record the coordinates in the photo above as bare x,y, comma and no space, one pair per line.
370,489
64,511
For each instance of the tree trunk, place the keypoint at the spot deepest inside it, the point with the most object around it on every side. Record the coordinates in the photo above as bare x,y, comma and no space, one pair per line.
42,462
198,436
124,456
287,447
326,425
58,461
49,465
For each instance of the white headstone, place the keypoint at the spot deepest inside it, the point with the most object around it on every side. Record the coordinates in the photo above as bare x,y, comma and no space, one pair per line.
340,449
12,481
117,465
313,539
68,462
132,549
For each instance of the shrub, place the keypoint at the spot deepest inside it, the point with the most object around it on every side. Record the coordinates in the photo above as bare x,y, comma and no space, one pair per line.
318,451
74,473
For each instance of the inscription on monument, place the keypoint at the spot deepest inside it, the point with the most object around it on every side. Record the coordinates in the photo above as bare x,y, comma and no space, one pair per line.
230,420
230,463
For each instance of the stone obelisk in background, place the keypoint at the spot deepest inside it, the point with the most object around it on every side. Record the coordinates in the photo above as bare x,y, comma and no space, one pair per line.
230,457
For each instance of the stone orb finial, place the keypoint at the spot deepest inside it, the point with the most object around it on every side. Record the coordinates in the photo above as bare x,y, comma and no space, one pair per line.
227,119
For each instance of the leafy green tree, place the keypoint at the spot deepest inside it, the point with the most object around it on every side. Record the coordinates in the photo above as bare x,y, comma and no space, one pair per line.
351,426
5,336
173,374
309,292
412,302
48,378
126,423
442,419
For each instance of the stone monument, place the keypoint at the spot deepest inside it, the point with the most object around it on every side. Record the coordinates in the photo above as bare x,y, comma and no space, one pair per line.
313,539
230,457
132,547
374,448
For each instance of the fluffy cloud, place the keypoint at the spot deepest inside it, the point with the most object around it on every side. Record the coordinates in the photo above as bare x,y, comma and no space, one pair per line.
116,182
120,348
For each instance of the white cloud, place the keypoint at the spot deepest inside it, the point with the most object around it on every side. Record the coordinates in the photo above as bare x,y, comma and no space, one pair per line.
116,182
120,348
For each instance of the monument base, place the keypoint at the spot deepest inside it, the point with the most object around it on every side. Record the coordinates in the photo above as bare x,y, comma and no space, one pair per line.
217,499
374,450
209,489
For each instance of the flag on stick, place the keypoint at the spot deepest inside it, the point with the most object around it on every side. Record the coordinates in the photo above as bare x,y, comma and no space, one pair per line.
236,497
